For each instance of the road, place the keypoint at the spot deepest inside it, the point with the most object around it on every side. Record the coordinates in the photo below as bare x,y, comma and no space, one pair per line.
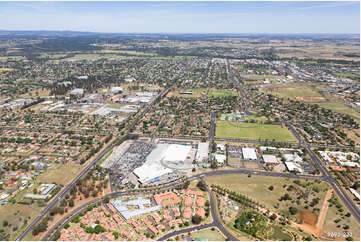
216,220
325,174
213,205
212,133
335,185
112,195
205,75
186,230
64,191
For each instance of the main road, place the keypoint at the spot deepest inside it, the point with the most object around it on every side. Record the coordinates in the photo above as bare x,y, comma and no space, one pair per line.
335,185
65,190
68,187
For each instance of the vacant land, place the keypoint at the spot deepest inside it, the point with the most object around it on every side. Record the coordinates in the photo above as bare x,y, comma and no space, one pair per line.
126,52
196,93
17,217
340,229
35,93
256,187
12,58
78,57
6,69
209,234
326,51
340,108
221,93
258,118
353,134
302,195
52,56
348,75
262,77
253,131
61,174
113,105
293,91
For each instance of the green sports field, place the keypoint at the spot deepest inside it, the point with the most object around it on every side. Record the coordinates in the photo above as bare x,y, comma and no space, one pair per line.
253,131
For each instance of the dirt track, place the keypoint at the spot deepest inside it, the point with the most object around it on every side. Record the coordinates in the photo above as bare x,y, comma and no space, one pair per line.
317,229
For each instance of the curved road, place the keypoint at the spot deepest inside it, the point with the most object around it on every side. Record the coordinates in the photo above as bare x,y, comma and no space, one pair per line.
217,222
214,212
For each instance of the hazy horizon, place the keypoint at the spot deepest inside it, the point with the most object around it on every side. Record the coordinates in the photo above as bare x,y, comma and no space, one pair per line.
183,17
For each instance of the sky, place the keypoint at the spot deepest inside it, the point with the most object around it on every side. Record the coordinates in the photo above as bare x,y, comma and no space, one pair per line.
183,17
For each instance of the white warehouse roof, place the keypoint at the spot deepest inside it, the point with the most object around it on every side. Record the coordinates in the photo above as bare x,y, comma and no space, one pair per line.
150,171
153,167
116,89
270,159
249,154
220,158
291,166
77,91
202,151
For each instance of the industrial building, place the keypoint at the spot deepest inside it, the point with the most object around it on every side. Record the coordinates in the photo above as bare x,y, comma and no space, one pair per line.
270,159
291,166
93,98
77,92
116,90
220,158
202,152
249,153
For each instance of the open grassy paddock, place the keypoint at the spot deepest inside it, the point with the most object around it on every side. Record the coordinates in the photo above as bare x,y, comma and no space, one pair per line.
52,55
12,58
126,52
59,173
6,69
258,118
209,234
18,216
340,108
293,91
347,75
221,93
331,226
262,77
196,93
79,57
255,187
253,131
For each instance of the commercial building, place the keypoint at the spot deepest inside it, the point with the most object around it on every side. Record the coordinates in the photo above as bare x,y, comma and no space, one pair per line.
46,188
249,153
157,162
292,158
355,193
220,158
202,152
93,98
291,166
116,90
77,92
270,159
